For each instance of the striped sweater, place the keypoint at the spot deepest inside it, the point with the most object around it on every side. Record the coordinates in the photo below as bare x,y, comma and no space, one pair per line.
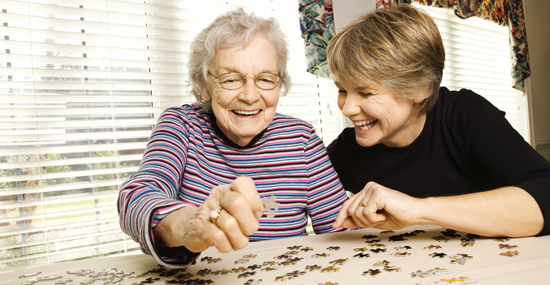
187,156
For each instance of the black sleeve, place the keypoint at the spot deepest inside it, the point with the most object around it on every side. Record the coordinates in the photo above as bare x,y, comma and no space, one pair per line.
502,151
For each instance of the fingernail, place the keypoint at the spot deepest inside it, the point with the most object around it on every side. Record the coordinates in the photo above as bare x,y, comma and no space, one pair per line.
259,215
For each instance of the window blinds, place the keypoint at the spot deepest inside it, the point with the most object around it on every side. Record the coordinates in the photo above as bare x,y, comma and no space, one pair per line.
82,84
478,58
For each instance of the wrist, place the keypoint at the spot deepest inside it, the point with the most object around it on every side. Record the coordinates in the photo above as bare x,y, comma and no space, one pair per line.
426,212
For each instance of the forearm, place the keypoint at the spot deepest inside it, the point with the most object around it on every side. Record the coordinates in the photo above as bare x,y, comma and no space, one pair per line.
507,211
170,231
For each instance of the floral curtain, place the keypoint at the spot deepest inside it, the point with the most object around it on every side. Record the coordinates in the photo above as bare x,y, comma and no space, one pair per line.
317,24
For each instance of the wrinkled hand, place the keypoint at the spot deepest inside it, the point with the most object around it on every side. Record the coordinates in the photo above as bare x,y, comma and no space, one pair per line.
242,208
384,209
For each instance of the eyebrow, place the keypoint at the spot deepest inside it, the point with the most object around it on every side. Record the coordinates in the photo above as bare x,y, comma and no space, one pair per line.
231,70
356,89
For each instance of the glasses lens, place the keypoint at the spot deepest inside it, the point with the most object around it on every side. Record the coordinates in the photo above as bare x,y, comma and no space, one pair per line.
231,80
266,81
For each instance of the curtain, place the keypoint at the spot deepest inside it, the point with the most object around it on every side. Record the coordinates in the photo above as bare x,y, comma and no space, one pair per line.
503,12
317,25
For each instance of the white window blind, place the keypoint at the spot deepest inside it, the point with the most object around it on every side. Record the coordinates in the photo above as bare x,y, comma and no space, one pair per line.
478,58
82,84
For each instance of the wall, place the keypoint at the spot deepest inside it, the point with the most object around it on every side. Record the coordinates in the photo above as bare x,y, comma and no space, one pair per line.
347,10
537,22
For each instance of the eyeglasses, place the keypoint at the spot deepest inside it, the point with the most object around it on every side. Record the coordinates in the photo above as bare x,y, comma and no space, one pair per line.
232,81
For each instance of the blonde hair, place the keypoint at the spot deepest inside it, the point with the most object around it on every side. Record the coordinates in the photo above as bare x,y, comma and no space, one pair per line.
398,48
234,28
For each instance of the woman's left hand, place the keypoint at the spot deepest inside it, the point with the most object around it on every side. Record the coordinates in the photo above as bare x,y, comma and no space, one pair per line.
379,207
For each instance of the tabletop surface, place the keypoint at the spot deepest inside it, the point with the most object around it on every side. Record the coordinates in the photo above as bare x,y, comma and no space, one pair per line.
415,255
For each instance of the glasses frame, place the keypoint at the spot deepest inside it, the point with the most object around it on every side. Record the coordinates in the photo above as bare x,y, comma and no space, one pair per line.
245,79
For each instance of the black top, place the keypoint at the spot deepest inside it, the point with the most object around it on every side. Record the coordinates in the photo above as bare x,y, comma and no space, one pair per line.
466,146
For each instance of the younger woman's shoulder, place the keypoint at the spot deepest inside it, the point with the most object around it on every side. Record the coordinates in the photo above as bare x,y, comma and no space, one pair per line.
465,102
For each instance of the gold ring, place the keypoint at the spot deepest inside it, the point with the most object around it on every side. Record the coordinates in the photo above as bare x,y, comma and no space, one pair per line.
214,215
361,204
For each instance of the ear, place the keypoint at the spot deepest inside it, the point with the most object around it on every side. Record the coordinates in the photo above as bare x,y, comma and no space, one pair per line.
418,101
205,94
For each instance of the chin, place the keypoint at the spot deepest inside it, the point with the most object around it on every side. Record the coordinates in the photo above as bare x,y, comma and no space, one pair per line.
364,143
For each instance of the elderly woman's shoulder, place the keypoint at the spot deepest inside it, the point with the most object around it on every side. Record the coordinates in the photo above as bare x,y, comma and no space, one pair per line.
282,119
185,112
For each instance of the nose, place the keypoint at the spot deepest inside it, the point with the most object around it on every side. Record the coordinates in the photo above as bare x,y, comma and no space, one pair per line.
249,92
349,104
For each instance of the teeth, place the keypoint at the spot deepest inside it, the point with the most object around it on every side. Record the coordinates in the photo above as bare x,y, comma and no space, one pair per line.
366,124
246,113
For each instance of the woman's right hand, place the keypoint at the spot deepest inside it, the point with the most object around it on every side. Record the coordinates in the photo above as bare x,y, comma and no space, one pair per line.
192,227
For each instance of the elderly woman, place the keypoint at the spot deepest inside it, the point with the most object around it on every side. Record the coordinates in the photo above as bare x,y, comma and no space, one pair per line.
420,154
208,166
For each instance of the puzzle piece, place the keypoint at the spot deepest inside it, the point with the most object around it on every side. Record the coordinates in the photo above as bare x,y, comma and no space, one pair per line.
378,250
467,243
284,277
401,253
270,206
340,261
254,267
450,233
460,258
317,255
501,239
204,271
242,260
459,280
313,267
510,253
397,238
361,255
372,272
214,260
246,274
330,268
369,236
296,273
237,270
442,238
392,268
438,254
381,263
271,268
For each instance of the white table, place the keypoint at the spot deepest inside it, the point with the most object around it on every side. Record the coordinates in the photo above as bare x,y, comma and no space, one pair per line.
487,265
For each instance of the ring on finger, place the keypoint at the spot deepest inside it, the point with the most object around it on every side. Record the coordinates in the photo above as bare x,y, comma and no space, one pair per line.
214,215
361,204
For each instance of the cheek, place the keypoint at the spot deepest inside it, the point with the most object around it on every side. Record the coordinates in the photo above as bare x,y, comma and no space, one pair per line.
341,101
222,99
272,99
